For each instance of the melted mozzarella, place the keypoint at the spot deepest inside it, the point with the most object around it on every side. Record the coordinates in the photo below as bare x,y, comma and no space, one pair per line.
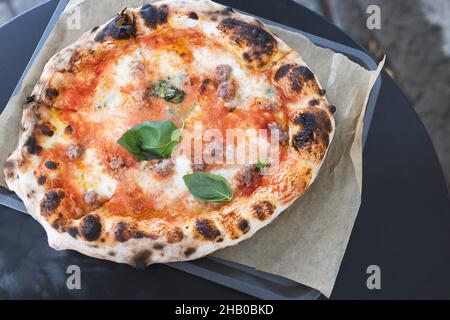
93,176
170,188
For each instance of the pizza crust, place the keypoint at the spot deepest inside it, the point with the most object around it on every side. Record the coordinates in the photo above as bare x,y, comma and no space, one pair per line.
122,239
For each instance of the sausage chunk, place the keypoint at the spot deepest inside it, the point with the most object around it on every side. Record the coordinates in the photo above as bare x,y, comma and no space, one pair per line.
227,90
163,167
222,73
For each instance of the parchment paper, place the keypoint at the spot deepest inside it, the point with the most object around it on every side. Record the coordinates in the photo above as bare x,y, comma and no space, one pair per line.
307,242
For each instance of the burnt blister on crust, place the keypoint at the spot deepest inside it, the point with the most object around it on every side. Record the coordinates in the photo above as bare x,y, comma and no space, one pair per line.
73,232
154,16
142,259
51,201
263,210
189,251
295,79
122,27
91,227
259,45
313,137
244,226
206,229
192,15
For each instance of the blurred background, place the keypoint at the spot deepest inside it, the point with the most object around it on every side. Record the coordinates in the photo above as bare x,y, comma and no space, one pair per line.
415,34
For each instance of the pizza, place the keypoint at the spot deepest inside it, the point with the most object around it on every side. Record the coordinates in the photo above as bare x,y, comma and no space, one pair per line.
111,158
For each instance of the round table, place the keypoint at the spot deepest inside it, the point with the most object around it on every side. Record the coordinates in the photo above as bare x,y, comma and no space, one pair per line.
403,225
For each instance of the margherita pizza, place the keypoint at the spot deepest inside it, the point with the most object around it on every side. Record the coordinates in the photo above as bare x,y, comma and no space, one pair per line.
115,136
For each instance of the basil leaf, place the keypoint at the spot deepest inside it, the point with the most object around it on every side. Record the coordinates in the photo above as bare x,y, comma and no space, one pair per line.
167,91
262,165
208,187
151,140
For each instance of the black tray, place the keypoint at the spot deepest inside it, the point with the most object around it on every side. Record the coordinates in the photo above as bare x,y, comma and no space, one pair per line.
239,277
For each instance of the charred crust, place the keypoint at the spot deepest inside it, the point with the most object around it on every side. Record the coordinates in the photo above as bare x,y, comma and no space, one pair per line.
282,71
9,169
154,16
314,132
124,231
206,229
322,92
259,45
332,108
28,101
32,146
51,93
158,246
51,165
192,15
263,209
175,235
121,27
95,28
189,251
73,232
142,259
244,225
41,180
52,200
296,76
91,227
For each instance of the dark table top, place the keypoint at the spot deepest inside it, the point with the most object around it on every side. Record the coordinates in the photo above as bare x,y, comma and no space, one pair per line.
403,225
